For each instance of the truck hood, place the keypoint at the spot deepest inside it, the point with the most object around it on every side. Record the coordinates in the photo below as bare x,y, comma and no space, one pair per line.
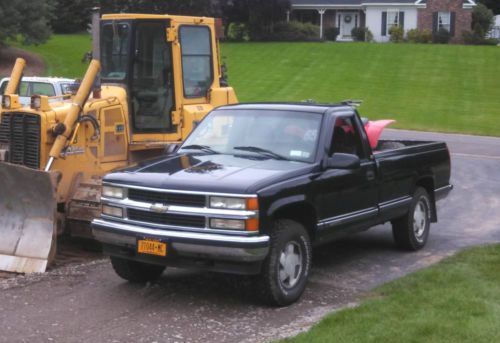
210,173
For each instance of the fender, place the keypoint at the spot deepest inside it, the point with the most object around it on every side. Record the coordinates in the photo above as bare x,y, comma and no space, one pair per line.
280,203
374,130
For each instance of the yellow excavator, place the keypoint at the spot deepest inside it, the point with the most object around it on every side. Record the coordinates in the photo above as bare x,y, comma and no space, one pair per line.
152,79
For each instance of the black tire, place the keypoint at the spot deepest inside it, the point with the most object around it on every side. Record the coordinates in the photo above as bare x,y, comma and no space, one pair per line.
134,271
411,231
289,241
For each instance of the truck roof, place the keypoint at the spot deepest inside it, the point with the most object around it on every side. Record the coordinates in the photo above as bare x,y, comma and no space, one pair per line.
289,106
46,79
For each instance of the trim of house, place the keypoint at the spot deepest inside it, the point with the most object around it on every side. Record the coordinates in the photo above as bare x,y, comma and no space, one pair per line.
315,7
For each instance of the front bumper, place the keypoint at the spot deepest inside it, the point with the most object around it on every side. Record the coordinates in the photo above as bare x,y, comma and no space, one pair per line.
193,245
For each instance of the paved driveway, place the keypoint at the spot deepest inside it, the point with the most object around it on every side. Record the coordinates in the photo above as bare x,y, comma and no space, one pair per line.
89,303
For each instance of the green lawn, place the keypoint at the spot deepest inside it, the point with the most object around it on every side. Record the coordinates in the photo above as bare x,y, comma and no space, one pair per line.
452,88
457,300
63,54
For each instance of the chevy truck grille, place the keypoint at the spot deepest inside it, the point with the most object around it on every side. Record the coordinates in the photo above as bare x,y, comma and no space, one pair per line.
191,200
20,133
166,219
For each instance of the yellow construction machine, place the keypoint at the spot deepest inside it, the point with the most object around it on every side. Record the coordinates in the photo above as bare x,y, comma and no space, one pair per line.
152,79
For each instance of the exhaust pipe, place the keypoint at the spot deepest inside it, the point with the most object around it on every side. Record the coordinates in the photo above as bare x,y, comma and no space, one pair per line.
15,76
96,48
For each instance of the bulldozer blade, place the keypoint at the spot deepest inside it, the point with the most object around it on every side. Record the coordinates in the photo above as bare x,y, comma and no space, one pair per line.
27,218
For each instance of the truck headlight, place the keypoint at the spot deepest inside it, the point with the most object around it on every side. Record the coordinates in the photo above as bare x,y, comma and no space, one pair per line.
231,224
112,211
6,101
36,102
251,224
113,192
230,203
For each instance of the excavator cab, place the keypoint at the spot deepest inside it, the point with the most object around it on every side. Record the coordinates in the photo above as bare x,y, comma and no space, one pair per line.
153,78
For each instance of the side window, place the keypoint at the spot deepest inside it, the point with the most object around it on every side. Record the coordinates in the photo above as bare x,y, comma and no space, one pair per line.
346,138
41,89
196,60
23,89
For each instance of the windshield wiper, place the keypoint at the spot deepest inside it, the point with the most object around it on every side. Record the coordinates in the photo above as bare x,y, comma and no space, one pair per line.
261,151
204,148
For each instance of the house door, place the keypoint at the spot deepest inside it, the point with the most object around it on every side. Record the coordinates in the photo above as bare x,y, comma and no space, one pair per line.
347,21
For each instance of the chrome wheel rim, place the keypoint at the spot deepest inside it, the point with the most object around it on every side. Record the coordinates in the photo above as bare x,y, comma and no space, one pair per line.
420,218
290,265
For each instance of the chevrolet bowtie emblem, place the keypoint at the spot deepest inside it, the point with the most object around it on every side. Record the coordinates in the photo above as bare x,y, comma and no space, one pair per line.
159,208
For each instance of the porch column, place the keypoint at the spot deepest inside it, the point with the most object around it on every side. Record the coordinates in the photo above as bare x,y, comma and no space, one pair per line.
288,16
321,12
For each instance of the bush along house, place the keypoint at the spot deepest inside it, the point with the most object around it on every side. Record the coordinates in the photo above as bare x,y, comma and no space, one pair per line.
379,16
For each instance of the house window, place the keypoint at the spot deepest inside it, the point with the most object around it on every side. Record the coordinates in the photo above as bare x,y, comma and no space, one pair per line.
444,21
392,19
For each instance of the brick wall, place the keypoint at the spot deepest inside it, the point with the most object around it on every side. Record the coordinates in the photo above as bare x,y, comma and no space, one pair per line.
463,17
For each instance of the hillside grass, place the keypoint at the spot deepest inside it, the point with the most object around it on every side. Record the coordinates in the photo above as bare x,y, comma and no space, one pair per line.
63,54
457,300
452,88
449,88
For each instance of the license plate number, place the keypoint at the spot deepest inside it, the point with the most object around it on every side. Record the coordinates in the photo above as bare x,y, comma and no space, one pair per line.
151,247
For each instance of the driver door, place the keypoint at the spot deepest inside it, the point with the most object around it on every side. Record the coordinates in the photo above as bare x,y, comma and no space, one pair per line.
348,196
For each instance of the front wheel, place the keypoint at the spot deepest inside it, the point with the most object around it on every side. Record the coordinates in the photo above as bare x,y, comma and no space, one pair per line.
412,230
286,268
134,271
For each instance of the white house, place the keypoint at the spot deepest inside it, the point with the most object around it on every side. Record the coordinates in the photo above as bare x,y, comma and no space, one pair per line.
380,15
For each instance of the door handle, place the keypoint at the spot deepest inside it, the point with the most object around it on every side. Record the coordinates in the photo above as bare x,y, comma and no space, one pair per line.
370,175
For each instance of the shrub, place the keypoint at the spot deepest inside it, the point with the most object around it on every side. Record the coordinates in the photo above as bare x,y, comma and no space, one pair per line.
362,34
237,32
482,20
425,36
419,36
331,33
442,36
294,31
396,34
473,38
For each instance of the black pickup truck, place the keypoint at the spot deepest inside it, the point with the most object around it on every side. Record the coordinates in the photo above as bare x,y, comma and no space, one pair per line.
255,186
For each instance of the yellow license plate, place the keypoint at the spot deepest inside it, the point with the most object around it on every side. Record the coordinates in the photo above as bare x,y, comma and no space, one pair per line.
151,247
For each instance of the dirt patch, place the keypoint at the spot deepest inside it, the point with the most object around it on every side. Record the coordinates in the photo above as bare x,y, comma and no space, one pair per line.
34,63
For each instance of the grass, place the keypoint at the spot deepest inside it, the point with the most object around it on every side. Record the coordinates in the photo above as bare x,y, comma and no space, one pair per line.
63,54
450,88
457,300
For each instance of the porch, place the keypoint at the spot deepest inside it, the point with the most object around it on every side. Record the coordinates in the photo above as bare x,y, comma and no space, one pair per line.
345,19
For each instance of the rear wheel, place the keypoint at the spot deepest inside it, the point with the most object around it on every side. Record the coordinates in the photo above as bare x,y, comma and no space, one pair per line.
286,268
412,230
134,271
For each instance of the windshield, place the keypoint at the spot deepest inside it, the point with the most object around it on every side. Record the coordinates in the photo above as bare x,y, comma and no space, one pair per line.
267,133
115,50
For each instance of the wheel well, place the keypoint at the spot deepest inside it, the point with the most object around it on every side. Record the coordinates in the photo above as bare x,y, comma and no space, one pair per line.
302,213
428,184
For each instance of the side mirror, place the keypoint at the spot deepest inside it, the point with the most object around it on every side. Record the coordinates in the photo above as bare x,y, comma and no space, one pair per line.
343,161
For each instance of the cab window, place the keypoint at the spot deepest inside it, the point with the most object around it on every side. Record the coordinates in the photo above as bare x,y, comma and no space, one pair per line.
23,88
197,70
41,88
151,81
346,138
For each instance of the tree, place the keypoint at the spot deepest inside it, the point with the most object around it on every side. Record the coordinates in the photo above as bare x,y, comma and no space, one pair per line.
493,5
482,20
72,16
263,14
28,19
184,7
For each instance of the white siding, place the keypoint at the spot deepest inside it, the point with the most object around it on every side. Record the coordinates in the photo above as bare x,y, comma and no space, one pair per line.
374,20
